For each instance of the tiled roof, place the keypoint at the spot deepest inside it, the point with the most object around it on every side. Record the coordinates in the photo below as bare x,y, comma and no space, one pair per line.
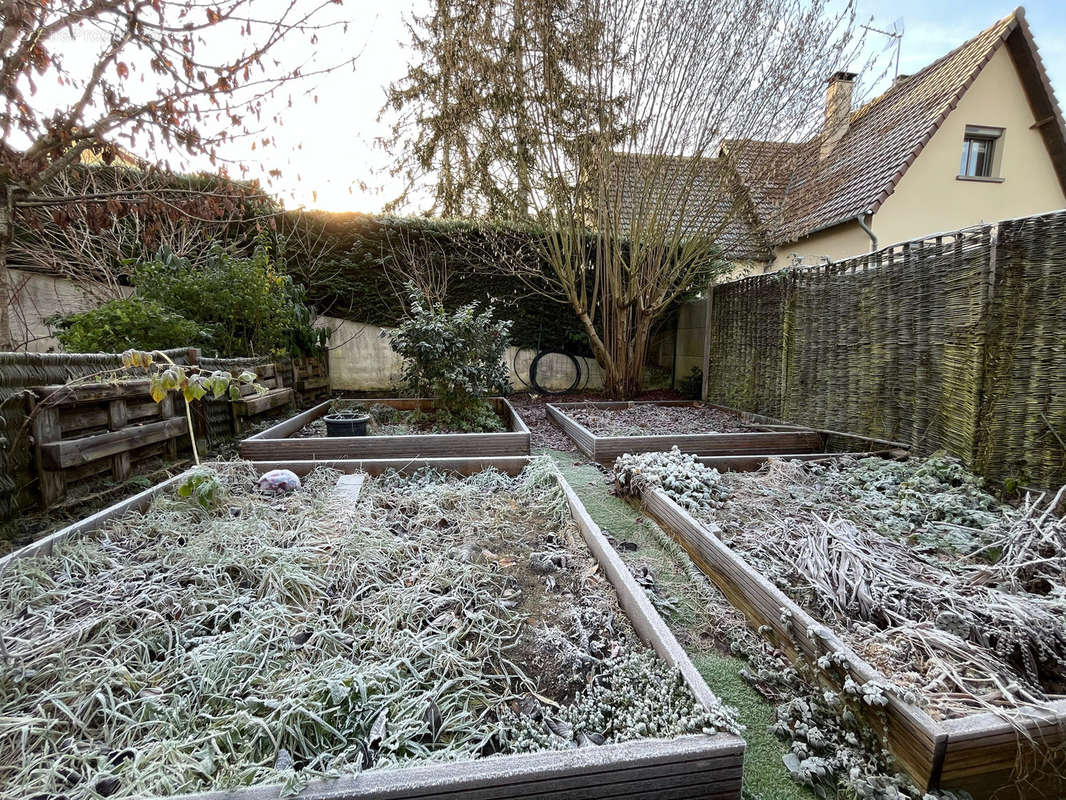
703,192
766,170
804,194
883,139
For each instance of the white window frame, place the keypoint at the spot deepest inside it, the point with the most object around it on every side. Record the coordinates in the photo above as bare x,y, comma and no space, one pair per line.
995,138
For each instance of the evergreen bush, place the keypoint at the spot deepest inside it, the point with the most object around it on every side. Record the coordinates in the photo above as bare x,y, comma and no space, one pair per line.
456,357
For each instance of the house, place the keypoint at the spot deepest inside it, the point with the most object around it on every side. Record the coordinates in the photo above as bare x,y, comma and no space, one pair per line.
685,195
976,136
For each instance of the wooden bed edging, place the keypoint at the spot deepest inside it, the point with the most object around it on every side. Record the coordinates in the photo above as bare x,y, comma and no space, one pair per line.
752,463
773,423
43,546
693,766
975,753
276,444
605,449
650,769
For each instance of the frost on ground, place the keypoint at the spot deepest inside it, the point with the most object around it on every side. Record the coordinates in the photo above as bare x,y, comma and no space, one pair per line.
958,600
225,638
652,420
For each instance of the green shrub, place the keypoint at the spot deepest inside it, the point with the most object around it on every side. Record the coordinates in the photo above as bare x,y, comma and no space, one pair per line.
119,325
457,357
691,386
249,305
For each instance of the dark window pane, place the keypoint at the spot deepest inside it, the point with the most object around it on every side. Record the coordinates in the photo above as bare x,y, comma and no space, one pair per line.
984,157
976,157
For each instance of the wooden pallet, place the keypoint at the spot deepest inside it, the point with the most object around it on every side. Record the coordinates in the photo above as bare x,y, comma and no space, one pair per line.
100,429
975,753
695,766
310,379
253,403
276,443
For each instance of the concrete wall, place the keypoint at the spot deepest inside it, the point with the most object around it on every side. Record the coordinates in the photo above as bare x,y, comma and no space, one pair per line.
36,297
360,359
931,199
691,329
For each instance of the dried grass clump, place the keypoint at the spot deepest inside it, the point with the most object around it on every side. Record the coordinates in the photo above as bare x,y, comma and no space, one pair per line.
266,640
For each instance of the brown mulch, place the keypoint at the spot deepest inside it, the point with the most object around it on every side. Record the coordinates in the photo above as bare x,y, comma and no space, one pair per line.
650,420
545,434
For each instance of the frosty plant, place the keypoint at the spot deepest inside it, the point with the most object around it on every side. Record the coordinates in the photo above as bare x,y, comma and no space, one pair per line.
192,382
688,482
456,357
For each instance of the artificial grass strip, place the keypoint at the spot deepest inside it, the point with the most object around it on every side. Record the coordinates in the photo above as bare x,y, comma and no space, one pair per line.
765,775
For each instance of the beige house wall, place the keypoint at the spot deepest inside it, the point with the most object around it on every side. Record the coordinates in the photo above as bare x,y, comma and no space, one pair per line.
840,241
930,199
743,269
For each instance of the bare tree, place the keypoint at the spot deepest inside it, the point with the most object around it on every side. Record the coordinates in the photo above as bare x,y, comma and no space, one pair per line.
677,93
182,75
420,261
96,219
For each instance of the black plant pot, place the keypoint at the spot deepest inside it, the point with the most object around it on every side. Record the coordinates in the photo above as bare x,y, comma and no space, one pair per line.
346,424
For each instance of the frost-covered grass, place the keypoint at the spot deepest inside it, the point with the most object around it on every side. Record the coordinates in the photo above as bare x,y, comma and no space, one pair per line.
275,639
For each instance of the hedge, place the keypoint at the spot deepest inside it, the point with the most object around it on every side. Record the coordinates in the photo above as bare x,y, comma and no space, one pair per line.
357,275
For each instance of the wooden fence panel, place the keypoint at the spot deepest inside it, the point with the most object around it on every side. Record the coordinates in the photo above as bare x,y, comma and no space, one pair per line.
956,342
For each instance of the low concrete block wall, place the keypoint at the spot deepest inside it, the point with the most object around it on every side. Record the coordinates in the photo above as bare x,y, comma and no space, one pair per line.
360,359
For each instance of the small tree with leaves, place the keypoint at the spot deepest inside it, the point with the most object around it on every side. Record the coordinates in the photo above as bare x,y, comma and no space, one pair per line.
456,357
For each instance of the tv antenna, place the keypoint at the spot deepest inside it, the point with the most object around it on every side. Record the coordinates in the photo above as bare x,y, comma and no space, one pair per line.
894,35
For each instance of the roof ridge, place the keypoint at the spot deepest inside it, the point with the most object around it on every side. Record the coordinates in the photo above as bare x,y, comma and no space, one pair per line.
1010,21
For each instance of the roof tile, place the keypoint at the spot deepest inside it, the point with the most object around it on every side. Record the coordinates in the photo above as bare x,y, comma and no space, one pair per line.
883,138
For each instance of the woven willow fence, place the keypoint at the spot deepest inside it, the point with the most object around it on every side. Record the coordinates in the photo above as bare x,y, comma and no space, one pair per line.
954,342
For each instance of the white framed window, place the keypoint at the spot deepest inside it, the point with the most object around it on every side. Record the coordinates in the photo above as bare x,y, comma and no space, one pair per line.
981,151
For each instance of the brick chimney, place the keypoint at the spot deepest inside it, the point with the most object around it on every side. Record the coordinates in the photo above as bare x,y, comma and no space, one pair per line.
837,109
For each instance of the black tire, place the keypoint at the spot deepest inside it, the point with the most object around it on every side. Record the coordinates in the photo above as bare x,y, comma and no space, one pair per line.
533,372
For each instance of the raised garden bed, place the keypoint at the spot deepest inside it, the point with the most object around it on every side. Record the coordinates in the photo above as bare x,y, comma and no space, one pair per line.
297,438
890,581
700,428
202,636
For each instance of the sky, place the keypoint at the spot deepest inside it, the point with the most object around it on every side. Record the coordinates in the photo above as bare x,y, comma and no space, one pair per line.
328,151
348,129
